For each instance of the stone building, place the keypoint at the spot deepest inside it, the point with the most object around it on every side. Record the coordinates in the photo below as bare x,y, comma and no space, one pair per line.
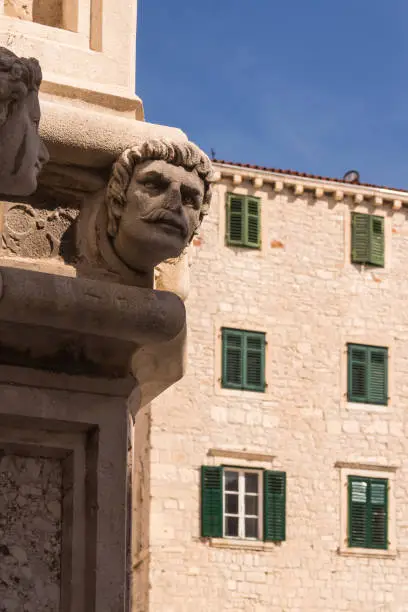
274,476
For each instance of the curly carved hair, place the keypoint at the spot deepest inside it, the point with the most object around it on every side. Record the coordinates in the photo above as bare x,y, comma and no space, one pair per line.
185,154
18,76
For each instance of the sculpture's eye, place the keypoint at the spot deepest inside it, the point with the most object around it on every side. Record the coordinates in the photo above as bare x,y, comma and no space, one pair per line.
188,201
35,119
154,185
191,199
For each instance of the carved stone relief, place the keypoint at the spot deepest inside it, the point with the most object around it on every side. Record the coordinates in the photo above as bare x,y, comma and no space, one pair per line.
38,232
120,228
22,152
156,198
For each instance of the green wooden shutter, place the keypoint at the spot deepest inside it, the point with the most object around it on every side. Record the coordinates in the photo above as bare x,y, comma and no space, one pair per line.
232,358
211,501
367,374
253,234
377,375
274,506
235,220
254,361
376,256
360,237
367,512
357,512
378,516
357,373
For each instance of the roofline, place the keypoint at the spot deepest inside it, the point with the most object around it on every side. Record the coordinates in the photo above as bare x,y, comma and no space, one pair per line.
321,185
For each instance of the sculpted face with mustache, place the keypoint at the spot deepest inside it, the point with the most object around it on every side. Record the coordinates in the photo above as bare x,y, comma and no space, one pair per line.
162,212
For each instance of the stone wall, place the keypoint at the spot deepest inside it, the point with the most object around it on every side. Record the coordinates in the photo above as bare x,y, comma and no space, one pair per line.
30,533
302,290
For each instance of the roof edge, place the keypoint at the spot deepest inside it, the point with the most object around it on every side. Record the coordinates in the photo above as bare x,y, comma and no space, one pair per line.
302,181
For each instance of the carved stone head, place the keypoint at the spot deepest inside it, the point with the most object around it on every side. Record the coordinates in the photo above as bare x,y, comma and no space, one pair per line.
22,153
156,198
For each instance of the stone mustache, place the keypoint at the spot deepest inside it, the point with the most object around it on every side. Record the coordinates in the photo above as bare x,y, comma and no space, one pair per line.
22,152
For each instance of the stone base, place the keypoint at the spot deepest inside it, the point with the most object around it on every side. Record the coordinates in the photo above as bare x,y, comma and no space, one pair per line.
65,454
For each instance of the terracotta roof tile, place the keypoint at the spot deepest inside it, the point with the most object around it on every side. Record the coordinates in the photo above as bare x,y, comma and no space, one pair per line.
302,174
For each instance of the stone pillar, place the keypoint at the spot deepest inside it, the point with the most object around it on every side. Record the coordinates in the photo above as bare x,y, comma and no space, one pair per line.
87,49
85,339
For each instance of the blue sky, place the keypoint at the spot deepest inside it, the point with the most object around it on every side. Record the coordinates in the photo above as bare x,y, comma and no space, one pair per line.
319,86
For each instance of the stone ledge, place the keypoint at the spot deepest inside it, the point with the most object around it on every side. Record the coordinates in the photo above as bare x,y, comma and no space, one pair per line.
106,101
242,545
355,465
87,306
87,335
231,454
367,553
84,137
360,406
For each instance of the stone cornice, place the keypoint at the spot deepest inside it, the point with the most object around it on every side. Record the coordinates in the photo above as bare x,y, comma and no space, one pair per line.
89,335
320,187
84,137
355,465
97,98
231,454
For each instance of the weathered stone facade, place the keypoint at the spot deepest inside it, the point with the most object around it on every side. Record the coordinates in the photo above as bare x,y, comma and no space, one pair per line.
302,290
30,533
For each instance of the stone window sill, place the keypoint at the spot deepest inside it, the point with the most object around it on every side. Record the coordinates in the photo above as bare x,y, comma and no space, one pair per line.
375,553
243,393
367,407
244,545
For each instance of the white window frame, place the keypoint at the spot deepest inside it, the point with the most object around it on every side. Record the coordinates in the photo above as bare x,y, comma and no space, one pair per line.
241,503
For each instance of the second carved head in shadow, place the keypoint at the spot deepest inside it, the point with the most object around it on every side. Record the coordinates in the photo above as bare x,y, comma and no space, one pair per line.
22,152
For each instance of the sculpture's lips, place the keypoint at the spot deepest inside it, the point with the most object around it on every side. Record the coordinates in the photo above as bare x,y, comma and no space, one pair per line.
166,219
174,226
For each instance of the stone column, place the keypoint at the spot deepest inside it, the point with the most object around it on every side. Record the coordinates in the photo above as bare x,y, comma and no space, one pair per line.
85,338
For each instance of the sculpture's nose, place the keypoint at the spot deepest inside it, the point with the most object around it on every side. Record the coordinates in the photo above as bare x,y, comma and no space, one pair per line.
174,199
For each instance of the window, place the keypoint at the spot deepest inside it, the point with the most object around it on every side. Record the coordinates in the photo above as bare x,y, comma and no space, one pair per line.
243,503
367,239
243,360
243,221
367,512
367,374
